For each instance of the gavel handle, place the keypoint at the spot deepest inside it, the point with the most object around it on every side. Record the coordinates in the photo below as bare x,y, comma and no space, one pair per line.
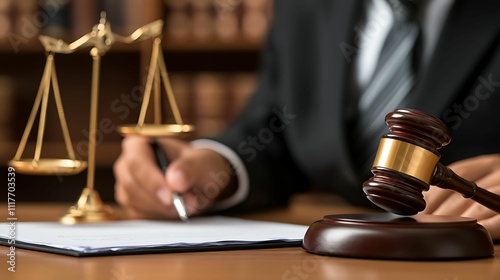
445,178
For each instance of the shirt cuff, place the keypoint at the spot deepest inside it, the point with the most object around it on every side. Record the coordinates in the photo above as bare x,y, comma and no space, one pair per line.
239,168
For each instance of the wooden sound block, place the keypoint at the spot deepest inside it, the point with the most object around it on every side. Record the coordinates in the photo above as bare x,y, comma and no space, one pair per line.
389,236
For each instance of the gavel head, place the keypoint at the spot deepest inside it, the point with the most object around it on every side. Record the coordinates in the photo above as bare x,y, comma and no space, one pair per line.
405,161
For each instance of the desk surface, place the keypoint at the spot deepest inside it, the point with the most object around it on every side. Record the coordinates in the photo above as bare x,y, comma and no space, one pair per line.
283,263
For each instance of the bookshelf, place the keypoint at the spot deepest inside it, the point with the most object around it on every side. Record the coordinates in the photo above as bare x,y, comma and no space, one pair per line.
210,50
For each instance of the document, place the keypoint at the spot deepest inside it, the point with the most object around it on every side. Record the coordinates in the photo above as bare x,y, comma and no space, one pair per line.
144,236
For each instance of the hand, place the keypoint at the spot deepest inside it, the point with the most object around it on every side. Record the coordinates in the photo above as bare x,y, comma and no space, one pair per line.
144,192
485,172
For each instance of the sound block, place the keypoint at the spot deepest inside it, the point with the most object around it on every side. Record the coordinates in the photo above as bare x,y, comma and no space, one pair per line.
389,236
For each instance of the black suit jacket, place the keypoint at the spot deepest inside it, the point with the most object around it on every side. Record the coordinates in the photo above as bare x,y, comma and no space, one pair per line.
294,131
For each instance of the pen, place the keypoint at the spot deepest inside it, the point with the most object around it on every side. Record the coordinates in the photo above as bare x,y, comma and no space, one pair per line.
163,162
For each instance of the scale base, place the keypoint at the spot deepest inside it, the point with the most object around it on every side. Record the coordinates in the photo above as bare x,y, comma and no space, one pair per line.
89,209
388,236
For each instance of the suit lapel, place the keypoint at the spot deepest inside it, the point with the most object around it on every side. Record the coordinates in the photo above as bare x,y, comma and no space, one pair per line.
336,29
458,55
332,157
321,102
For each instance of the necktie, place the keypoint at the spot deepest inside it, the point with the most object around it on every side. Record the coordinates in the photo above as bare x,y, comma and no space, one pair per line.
388,89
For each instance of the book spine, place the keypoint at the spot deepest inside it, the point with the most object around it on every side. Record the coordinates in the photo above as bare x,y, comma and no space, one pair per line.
181,86
26,22
255,19
210,103
202,19
177,20
5,19
84,15
7,107
240,87
137,13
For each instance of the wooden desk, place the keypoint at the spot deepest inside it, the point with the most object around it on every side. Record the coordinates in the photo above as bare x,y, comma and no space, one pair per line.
284,263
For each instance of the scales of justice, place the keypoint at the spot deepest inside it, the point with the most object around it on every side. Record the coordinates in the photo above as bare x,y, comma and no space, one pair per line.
89,207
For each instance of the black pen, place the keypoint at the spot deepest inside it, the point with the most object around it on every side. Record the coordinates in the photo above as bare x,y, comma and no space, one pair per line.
163,162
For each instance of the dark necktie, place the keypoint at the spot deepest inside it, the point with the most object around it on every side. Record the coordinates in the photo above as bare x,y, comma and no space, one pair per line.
390,85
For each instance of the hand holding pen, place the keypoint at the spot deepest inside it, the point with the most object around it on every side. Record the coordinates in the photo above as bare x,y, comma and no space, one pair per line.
145,192
163,162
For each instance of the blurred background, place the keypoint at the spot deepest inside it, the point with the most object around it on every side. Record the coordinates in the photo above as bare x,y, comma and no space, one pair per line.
211,50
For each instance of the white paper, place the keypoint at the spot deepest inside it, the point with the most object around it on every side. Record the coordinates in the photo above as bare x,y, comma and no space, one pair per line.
133,234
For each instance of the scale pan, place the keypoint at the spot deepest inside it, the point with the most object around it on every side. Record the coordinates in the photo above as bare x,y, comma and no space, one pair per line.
157,130
50,166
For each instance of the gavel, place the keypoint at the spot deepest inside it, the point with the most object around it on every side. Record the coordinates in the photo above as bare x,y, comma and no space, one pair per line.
407,163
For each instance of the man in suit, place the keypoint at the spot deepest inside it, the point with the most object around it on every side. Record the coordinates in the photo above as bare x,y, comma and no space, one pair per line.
304,123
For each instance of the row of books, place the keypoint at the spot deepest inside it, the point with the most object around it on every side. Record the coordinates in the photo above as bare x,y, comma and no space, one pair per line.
184,19
224,20
208,100
212,100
